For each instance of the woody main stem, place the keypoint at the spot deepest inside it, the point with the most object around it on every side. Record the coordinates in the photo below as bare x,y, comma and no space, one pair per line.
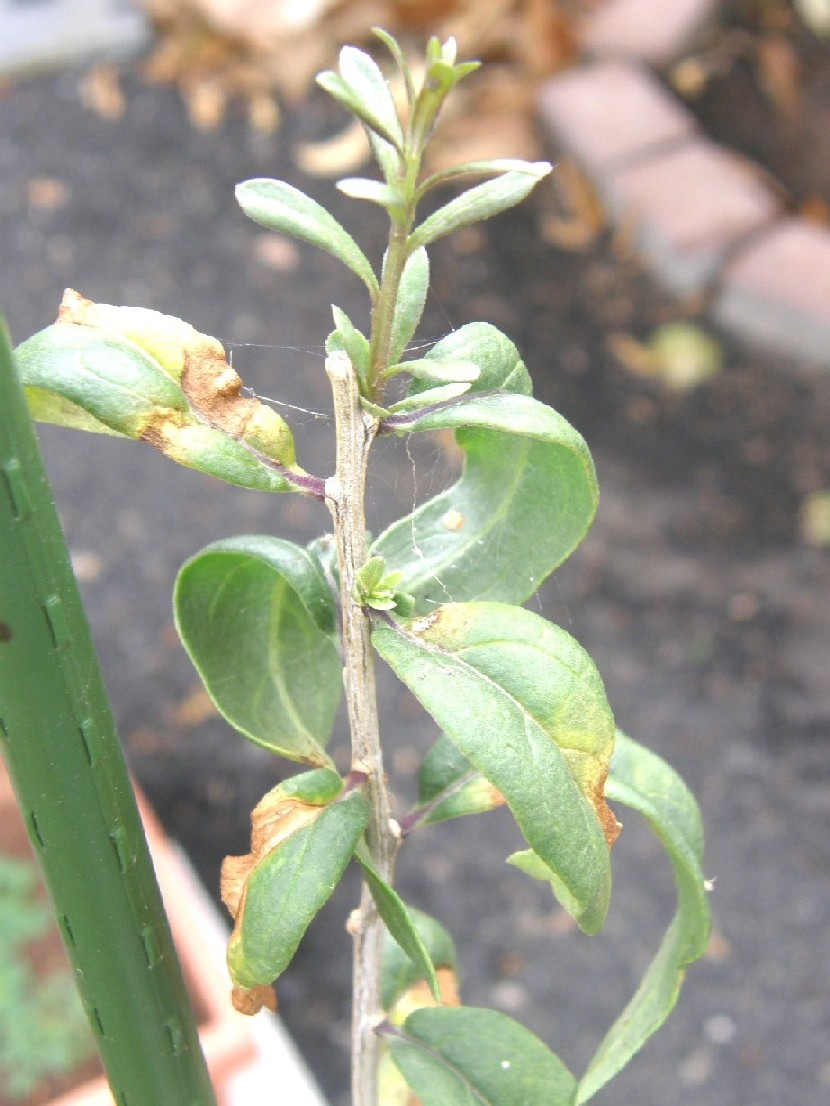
355,432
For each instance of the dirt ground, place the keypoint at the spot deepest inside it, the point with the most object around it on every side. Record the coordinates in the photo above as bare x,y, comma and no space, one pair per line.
708,614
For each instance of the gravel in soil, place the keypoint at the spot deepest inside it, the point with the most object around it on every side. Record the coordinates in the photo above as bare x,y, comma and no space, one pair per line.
707,613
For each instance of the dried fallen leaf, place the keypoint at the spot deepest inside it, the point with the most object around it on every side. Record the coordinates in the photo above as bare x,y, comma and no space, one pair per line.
193,709
276,251
101,92
779,72
342,153
679,354
46,193
815,519
580,216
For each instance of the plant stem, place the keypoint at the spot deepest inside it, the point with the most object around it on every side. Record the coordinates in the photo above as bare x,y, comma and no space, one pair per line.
355,432
383,312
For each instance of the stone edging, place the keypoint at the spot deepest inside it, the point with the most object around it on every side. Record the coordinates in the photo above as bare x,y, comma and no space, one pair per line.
705,219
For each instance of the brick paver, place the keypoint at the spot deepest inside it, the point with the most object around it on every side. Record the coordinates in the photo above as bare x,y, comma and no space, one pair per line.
689,208
655,31
777,290
608,113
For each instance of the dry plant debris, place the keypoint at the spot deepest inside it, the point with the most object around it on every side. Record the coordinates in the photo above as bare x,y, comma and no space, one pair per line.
265,53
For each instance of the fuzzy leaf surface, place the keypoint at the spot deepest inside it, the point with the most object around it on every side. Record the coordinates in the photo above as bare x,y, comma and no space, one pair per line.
399,923
258,619
351,341
409,306
525,704
362,89
289,887
526,498
374,192
466,1056
643,781
279,206
478,203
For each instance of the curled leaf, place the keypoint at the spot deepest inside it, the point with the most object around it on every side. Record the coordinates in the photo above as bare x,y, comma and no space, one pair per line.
299,850
646,783
257,616
524,703
152,377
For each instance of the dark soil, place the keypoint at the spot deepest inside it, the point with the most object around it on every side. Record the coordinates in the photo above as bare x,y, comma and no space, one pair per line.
767,96
707,614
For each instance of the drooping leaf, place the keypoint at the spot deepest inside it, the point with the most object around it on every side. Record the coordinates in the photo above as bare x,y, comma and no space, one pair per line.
257,617
362,89
525,704
449,786
466,1056
478,203
400,971
286,888
149,376
525,500
399,923
643,781
108,377
409,306
281,207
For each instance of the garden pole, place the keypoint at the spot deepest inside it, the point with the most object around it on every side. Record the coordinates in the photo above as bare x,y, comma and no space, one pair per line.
68,769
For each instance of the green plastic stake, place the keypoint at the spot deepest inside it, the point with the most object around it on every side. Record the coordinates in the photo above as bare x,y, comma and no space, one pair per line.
68,769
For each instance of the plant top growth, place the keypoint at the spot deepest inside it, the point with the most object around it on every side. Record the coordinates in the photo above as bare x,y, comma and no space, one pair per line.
279,632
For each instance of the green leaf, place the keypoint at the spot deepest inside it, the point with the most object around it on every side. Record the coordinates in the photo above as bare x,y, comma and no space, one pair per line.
387,157
351,340
106,375
361,89
375,192
368,85
45,406
400,970
399,923
394,49
288,887
466,1056
488,168
525,704
409,306
499,363
430,371
643,781
449,786
281,207
525,500
478,203
257,617
419,401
